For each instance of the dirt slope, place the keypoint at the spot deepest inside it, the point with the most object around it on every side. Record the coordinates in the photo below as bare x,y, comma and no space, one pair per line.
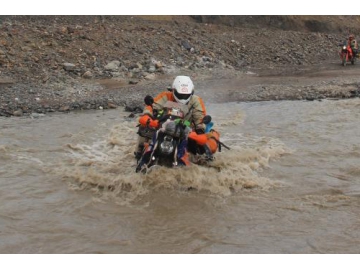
51,63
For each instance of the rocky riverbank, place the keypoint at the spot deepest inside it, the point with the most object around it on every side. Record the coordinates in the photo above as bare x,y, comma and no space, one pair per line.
64,63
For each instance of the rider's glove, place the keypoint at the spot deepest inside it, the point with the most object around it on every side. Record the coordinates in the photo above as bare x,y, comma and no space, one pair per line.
146,120
154,123
200,131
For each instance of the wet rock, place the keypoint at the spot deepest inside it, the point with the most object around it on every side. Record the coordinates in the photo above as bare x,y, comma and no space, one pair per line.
18,113
134,109
112,66
64,108
112,105
87,75
152,69
158,65
37,115
133,82
150,77
69,66
116,74
186,45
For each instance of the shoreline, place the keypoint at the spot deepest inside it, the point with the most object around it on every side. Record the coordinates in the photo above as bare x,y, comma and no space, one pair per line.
217,86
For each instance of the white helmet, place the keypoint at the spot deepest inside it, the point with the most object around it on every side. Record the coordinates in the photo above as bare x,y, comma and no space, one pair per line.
183,89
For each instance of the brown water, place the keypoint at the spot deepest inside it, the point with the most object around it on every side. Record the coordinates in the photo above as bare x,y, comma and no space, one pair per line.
289,184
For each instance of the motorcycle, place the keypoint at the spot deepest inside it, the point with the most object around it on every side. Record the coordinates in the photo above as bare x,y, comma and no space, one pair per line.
346,55
166,145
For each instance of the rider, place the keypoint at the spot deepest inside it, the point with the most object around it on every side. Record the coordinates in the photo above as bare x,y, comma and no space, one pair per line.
182,91
353,44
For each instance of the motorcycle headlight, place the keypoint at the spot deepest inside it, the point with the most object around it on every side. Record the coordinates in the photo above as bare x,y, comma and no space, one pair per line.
166,147
344,48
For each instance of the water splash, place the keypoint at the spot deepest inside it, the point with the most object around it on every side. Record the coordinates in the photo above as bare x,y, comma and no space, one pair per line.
107,167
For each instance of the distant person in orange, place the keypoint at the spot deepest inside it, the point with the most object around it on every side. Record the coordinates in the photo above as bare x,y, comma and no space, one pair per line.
353,44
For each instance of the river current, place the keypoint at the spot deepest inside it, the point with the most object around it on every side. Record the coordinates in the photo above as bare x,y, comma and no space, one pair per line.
289,184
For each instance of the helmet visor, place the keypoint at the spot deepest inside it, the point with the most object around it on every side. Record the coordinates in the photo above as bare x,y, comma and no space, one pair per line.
182,96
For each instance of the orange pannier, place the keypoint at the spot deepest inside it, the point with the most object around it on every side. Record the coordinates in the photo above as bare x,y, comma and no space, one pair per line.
211,139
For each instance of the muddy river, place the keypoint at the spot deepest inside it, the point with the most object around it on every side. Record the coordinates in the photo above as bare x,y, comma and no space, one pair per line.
289,184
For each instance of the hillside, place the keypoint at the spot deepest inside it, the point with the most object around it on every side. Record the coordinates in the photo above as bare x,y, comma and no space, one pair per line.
306,23
64,59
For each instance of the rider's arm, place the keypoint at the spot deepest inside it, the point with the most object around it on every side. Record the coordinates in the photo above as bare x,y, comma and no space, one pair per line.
147,117
198,113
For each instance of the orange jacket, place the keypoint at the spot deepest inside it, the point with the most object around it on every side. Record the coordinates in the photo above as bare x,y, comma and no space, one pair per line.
196,107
